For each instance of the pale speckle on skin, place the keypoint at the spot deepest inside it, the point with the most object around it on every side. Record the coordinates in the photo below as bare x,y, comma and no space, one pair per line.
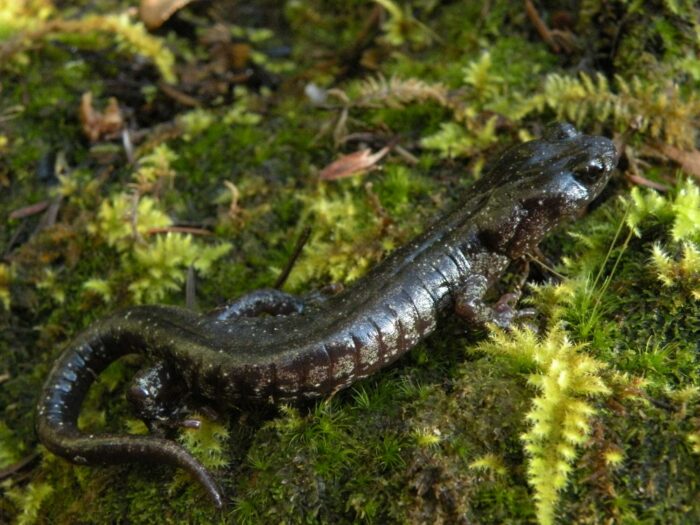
369,354
317,375
344,366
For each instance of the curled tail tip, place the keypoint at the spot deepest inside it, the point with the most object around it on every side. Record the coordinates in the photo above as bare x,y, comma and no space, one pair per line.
87,449
59,405
217,498
204,478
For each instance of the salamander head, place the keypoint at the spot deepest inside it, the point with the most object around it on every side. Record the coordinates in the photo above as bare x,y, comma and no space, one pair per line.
549,180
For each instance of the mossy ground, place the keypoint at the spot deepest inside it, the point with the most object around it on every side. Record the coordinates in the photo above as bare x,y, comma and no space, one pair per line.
407,445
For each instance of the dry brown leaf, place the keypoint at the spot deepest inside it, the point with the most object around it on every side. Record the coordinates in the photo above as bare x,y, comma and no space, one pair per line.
97,125
352,164
154,13
688,160
30,210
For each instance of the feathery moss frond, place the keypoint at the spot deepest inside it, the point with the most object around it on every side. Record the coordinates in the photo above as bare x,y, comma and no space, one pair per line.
483,81
130,35
489,463
427,437
19,15
154,168
694,440
401,26
11,446
153,265
29,500
676,264
643,204
5,280
560,415
341,241
681,212
207,443
686,210
161,265
659,111
397,93
123,219
456,140
682,272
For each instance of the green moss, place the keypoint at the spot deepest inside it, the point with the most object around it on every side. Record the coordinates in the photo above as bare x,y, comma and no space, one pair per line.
560,418
29,501
438,436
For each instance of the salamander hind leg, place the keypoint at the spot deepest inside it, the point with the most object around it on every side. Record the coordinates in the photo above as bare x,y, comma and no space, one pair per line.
70,379
156,394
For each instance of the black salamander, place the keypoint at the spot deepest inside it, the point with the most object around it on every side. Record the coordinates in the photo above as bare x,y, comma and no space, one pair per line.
310,347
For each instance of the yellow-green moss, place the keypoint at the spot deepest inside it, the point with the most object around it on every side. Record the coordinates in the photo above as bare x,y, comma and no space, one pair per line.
5,280
438,436
560,417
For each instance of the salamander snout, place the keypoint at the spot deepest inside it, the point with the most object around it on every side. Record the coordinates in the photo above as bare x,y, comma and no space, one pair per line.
602,159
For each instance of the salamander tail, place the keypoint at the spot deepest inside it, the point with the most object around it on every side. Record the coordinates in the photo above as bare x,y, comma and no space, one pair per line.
62,397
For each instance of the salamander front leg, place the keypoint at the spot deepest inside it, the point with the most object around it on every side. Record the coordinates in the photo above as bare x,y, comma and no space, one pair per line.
470,306
253,304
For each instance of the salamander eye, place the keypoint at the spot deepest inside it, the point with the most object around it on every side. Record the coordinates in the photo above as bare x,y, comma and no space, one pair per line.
591,170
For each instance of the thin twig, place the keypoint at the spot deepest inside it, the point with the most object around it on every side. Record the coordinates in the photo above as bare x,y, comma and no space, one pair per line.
179,96
301,242
16,467
540,26
178,229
